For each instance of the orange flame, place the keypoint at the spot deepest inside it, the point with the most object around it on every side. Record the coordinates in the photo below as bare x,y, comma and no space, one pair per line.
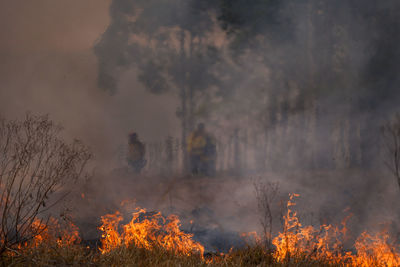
52,232
375,250
150,232
325,244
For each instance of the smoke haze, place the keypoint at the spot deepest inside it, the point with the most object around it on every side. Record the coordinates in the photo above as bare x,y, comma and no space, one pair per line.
48,67
307,83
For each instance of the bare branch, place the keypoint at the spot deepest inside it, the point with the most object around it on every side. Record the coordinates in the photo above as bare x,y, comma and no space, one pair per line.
34,164
266,193
391,138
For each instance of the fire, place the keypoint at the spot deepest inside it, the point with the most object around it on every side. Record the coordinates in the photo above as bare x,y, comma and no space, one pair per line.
151,230
52,232
326,244
147,230
375,250
298,240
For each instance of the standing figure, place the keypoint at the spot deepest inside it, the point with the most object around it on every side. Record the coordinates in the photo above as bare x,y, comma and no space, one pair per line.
202,151
136,153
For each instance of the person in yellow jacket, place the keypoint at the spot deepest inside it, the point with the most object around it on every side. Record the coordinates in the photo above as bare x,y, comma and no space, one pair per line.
202,151
136,153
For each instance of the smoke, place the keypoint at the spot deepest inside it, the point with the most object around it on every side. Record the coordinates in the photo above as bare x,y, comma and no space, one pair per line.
307,83
48,67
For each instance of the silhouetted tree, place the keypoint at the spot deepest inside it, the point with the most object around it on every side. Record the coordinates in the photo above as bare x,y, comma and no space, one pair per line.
168,44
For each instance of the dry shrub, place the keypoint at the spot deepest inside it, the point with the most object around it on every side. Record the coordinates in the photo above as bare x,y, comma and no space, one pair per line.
266,192
391,137
35,167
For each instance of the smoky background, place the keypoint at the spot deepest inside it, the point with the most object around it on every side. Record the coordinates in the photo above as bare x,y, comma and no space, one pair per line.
294,94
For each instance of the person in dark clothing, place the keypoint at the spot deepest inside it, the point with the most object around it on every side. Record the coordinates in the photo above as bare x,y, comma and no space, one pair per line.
136,153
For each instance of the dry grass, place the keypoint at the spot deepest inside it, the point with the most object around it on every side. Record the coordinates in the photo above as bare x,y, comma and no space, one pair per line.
78,255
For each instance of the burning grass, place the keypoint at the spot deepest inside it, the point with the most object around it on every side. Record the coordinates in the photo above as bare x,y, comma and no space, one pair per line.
150,239
148,231
54,243
326,244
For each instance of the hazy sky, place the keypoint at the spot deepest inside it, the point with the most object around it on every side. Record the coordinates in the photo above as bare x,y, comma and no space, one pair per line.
47,66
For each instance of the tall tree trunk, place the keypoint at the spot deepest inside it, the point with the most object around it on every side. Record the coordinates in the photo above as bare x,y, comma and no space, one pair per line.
183,96
311,98
190,87
236,152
